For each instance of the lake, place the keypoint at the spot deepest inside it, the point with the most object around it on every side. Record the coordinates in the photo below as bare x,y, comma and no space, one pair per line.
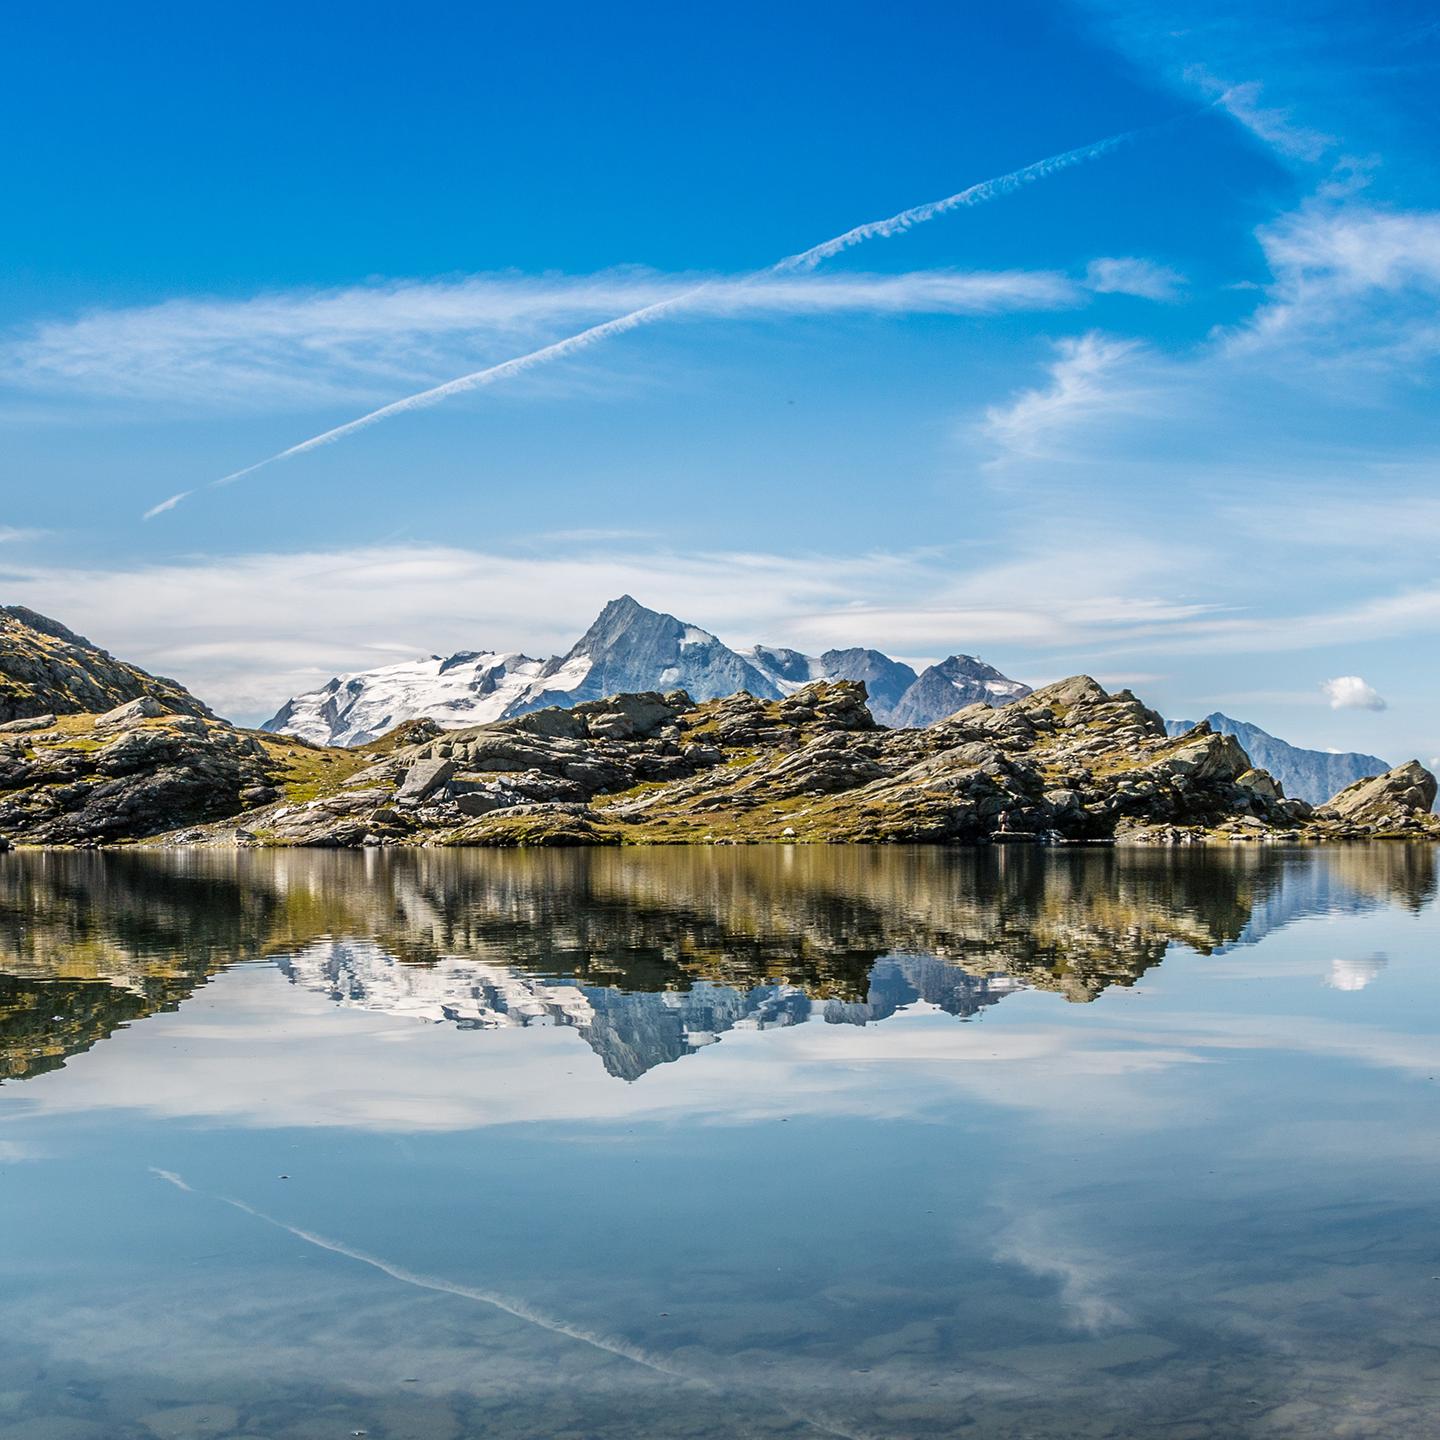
725,1142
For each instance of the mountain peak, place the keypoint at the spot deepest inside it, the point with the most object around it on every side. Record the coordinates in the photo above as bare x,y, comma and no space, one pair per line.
619,618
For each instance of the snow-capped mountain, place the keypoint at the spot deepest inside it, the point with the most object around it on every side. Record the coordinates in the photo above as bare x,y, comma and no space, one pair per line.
885,679
628,648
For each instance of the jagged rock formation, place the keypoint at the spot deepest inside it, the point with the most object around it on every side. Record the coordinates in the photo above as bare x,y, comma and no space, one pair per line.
1069,762
885,680
629,648
46,669
1313,775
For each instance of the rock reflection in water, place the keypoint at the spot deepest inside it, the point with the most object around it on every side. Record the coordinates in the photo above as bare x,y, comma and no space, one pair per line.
650,955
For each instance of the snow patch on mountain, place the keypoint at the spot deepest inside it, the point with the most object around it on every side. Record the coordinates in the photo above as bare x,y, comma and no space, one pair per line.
469,688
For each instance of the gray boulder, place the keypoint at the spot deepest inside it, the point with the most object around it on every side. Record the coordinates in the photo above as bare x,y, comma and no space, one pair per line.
33,722
1406,790
144,707
421,781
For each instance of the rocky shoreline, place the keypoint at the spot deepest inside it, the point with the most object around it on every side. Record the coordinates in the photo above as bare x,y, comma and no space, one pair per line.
1068,764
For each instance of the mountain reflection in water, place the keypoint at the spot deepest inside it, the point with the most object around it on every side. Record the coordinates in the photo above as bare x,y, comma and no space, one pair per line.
649,954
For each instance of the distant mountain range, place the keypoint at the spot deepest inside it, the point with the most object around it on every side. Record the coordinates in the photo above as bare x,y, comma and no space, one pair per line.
628,648
1313,775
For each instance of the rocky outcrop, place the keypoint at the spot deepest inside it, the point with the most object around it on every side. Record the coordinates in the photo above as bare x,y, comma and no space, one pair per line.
134,771
1397,802
47,669
1068,763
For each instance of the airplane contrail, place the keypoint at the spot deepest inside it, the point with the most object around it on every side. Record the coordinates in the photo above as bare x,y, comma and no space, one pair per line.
976,194
971,195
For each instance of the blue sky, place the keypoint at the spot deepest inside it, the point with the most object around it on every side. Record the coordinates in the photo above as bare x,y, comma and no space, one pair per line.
1165,414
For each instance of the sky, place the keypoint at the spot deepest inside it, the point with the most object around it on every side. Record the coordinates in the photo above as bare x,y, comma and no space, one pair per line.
1162,411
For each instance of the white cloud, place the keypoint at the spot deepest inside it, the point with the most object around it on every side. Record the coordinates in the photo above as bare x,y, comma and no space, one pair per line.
247,631
1275,125
1128,275
1350,692
304,348
1092,379
1351,283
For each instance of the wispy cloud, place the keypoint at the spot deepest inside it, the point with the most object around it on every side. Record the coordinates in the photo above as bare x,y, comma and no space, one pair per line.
299,350
1092,377
1130,275
1352,284
1274,125
247,631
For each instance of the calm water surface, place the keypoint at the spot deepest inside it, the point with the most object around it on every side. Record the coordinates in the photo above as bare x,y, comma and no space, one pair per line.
860,1143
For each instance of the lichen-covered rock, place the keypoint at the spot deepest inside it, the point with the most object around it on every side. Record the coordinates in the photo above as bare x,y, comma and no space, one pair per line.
82,785
421,780
32,722
143,707
1398,796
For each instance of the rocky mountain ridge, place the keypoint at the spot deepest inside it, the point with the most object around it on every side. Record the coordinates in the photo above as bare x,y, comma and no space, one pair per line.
136,770
1068,763
628,649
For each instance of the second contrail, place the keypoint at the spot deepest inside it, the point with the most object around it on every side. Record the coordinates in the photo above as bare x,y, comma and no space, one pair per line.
805,260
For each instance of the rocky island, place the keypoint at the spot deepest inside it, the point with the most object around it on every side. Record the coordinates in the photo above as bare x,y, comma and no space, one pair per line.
1068,763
